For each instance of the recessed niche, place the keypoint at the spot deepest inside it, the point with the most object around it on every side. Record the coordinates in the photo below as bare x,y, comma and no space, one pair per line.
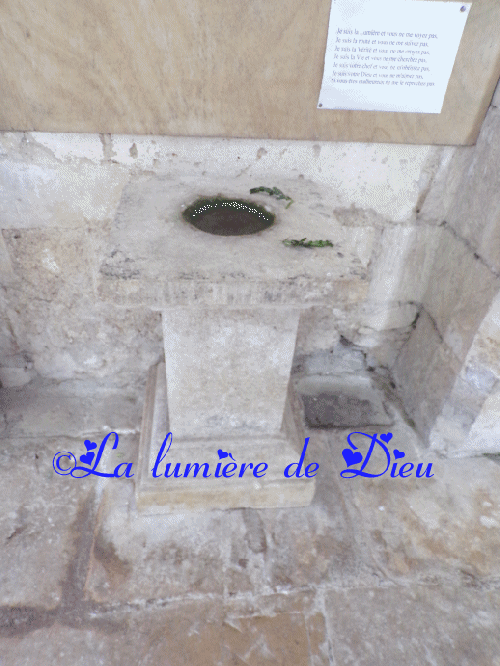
228,217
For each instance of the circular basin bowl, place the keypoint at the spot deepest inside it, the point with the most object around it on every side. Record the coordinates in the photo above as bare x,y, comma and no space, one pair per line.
228,217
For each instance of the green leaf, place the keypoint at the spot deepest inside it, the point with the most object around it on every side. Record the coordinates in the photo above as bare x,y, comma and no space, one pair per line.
303,242
273,192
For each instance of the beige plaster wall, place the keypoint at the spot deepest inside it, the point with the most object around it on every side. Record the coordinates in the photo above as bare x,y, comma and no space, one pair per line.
222,68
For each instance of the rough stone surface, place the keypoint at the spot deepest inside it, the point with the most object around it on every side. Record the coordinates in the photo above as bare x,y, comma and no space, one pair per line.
483,353
332,402
377,570
461,295
469,420
53,409
485,431
402,265
235,270
449,179
38,189
414,625
207,352
424,373
41,519
475,211
86,579
401,172
409,521
447,370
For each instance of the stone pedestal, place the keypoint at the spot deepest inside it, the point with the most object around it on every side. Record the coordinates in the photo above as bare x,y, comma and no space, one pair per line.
163,495
225,389
230,307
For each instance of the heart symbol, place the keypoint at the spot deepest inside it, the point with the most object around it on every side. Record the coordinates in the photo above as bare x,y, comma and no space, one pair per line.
351,456
87,458
398,454
90,446
223,454
386,438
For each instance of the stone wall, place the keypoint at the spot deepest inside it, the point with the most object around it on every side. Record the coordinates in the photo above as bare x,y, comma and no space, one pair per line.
448,372
415,225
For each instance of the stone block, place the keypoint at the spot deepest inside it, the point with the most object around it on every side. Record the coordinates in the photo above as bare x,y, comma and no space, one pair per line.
389,316
309,547
227,370
439,625
472,389
441,530
43,523
69,148
245,548
403,263
38,189
295,548
314,167
87,339
484,435
279,640
140,557
425,372
475,210
331,402
184,634
339,360
483,352
460,293
384,344
317,330
48,409
439,197
51,265
181,633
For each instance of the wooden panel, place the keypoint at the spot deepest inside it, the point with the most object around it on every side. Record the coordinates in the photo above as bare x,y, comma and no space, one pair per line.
235,68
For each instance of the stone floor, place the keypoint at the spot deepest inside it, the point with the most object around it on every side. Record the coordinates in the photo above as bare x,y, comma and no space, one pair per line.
377,571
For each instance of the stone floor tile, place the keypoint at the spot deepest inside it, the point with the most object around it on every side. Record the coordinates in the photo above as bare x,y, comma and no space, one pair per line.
140,557
244,548
317,544
256,641
45,523
442,528
43,408
180,635
318,640
414,626
292,601
307,548
238,611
